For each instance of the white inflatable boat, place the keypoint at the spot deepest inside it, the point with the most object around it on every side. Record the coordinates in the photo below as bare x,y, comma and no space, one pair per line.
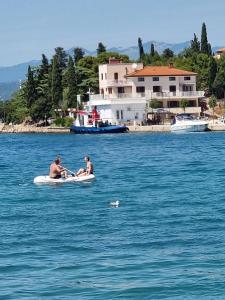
49,180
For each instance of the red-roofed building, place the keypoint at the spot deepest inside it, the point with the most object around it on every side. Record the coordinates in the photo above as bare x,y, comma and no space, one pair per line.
127,88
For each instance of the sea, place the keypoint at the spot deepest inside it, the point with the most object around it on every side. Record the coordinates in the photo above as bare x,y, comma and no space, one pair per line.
165,240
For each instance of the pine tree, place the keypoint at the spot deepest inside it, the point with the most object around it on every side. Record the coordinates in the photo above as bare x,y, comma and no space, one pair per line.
56,83
61,56
31,93
152,52
204,40
71,84
141,49
78,54
195,44
101,48
168,53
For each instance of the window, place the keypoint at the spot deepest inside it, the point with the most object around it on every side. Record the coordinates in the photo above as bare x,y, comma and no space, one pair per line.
172,104
118,114
187,88
128,109
120,90
141,79
116,76
110,90
187,78
172,88
121,113
155,78
101,76
156,89
140,89
105,75
171,78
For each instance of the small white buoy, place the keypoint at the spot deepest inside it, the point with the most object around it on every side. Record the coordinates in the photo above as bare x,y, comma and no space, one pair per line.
115,203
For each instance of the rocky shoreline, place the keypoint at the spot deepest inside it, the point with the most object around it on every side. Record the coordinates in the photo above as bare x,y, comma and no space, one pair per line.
20,128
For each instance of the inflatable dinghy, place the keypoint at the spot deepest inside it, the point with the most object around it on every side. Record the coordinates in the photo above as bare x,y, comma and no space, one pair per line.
49,180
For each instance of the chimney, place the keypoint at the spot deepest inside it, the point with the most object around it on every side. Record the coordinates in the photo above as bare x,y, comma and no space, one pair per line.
170,65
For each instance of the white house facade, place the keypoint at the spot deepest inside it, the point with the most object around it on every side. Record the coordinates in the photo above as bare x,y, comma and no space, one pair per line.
126,90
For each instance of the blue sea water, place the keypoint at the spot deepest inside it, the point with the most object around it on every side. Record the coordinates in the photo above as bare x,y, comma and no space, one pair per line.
166,240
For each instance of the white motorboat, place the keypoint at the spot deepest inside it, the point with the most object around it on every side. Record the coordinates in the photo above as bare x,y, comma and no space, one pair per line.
49,180
187,123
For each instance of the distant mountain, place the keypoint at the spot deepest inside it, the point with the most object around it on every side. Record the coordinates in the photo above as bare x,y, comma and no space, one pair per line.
10,76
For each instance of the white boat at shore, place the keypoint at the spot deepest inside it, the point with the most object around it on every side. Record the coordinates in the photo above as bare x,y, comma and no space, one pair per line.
187,123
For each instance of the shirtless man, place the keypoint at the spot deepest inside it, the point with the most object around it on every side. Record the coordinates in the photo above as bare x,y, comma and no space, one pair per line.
89,168
56,171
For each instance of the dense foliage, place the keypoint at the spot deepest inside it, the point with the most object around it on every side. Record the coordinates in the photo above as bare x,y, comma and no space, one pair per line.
54,85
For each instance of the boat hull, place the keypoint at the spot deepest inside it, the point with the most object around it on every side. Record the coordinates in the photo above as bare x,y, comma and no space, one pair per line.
98,130
70,179
189,128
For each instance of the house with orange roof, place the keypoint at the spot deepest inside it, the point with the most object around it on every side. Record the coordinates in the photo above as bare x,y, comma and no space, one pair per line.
219,52
127,89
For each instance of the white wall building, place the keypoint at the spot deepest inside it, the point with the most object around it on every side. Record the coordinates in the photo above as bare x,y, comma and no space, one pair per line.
126,90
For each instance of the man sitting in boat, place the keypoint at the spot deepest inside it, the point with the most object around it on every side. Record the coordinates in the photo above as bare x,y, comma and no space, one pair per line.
56,171
89,168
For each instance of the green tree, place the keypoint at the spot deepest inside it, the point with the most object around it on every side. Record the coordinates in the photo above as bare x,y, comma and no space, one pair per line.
31,95
154,104
141,49
204,40
56,83
42,77
101,48
212,104
195,44
184,104
71,84
168,53
78,54
61,57
212,73
219,82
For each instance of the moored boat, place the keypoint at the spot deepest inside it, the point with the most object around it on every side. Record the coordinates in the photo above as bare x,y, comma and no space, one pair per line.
187,123
90,123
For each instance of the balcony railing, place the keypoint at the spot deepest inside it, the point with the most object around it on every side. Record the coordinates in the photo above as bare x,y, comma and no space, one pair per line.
158,95
118,83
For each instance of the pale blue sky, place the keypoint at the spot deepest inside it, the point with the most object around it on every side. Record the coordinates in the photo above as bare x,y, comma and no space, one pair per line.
31,27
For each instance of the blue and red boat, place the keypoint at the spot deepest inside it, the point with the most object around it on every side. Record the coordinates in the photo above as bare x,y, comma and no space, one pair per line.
90,122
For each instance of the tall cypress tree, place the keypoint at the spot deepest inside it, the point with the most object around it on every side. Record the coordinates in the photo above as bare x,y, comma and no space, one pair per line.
71,84
61,56
78,54
42,78
204,40
101,48
195,44
31,93
152,52
141,49
56,83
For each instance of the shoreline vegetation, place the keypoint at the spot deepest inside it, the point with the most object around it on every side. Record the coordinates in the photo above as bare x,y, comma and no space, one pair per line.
52,87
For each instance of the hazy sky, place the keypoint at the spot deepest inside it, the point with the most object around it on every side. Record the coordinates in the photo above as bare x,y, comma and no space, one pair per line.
31,27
